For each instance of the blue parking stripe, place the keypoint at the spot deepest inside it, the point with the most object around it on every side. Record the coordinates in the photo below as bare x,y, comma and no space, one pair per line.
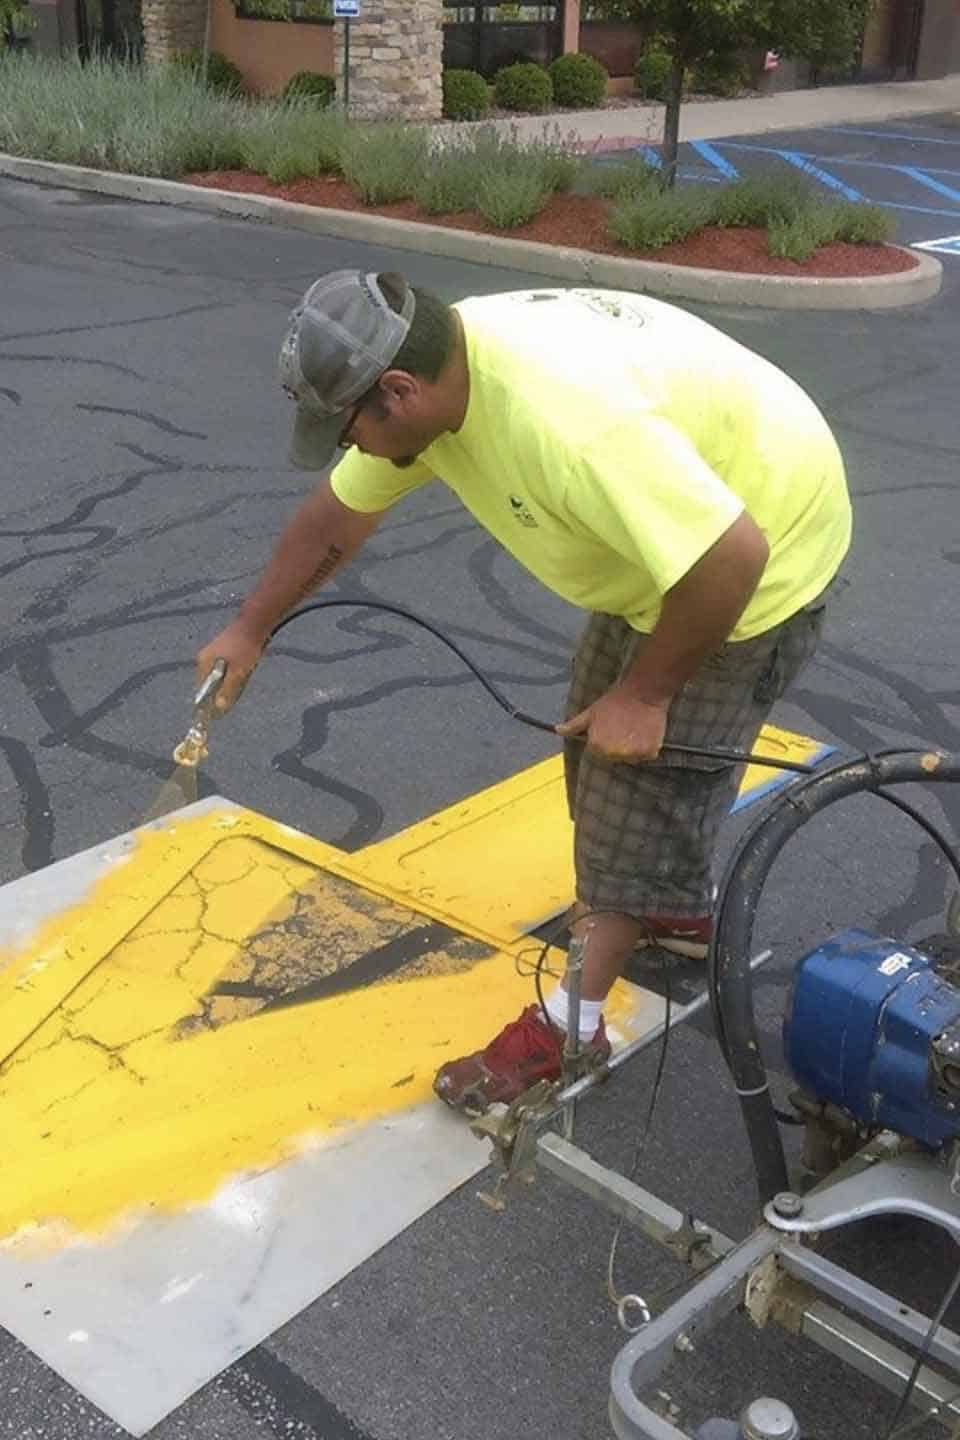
888,135
886,204
824,176
651,156
840,160
714,158
915,209
924,179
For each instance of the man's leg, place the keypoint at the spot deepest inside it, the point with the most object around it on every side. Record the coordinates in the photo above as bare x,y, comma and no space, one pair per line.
644,839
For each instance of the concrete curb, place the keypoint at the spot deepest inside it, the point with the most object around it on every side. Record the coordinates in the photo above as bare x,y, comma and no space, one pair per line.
880,292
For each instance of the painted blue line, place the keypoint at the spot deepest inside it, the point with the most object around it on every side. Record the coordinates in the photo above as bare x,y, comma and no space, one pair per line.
915,209
886,204
838,160
651,156
923,179
714,158
889,135
814,171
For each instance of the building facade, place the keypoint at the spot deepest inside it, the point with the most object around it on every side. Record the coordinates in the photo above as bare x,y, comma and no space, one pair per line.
399,48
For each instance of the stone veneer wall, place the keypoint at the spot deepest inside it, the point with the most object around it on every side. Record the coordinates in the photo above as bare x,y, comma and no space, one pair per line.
170,26
396,59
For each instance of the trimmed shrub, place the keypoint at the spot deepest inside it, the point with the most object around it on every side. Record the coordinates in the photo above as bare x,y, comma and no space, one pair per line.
652,221
760,199
222,75
623,179
291,139
579,81
310,85
457,175
384,162
508,200
726,75
524,87
823,222
466,95
652,72
559,167
449,184
861,224
801,237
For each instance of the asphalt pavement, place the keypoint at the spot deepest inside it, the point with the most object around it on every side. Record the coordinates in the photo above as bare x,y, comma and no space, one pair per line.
143,476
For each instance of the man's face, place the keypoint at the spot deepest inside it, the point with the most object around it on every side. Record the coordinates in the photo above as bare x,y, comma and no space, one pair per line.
399,423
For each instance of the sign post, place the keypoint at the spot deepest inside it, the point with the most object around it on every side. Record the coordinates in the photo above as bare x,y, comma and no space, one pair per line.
346,10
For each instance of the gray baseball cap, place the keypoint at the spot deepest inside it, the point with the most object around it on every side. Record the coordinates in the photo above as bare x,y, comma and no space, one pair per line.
341,338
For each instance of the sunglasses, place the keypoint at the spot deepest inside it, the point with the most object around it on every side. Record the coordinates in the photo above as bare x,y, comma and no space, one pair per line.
344,442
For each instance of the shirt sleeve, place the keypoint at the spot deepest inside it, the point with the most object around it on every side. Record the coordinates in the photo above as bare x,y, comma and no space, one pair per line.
364,483
643,489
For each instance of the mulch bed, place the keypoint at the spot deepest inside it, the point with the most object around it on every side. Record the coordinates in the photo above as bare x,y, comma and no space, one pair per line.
580,221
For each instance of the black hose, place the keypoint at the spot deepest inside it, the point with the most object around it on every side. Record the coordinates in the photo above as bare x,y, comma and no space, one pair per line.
734,757
730,977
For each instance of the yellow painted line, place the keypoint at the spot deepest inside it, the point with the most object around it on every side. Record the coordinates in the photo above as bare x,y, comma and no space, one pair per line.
502,860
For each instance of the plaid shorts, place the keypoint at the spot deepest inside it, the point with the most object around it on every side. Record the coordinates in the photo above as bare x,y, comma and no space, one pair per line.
645,835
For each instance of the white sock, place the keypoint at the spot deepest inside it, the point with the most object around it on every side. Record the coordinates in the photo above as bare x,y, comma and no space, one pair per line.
559,1011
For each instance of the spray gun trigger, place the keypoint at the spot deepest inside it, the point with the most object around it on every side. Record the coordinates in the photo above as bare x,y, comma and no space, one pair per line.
210,689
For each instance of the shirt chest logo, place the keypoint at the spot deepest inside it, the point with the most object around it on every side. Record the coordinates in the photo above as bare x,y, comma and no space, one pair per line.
522,512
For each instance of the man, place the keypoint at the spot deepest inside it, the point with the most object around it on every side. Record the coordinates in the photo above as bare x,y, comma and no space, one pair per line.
645,467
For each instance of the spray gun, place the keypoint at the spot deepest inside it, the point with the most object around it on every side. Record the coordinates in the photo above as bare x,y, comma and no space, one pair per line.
193,747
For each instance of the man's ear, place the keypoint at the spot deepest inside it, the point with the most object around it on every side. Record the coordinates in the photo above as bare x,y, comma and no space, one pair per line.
399,386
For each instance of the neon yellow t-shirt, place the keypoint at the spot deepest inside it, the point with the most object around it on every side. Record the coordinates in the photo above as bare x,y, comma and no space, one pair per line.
610,440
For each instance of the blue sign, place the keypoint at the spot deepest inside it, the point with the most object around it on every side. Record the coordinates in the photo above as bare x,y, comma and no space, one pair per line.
346,9
949,246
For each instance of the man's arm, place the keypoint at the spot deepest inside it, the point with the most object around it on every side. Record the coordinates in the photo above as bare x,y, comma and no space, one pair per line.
321,538
628,722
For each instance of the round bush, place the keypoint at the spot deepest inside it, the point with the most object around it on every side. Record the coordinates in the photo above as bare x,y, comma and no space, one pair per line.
524,87
310,85
652,72
579,81
466,95
222,74
723,75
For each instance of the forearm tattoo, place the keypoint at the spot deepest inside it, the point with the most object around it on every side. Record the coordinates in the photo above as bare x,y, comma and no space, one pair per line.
323,571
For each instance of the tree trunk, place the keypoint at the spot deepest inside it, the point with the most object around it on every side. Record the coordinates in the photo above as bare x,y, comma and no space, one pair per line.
671,122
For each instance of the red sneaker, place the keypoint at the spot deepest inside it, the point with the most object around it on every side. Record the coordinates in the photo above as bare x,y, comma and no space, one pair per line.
525,1051
679,937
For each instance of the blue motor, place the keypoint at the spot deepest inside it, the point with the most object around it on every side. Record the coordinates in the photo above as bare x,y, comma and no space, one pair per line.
874,1029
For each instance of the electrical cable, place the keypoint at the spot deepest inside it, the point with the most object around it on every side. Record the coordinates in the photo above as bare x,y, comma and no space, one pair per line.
618,1300
952,1289
953,860
919,1421
538,969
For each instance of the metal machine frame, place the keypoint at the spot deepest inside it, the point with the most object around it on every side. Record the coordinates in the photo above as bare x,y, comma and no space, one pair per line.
774,1273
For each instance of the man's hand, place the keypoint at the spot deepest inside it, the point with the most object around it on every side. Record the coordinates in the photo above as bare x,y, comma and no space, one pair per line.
621,727
241,647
